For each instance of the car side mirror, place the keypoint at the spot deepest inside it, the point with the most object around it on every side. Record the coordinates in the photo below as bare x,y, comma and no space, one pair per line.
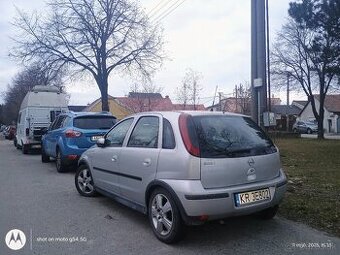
101,142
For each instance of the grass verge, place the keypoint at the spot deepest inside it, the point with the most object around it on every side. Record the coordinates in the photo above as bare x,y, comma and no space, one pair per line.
313,170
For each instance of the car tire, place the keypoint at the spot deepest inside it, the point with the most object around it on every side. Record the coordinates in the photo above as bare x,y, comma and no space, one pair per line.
164,217
268,213
25,148
309,131
84,182
44,157
59,162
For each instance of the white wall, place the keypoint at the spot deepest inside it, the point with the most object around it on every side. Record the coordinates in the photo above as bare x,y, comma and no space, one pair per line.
307,114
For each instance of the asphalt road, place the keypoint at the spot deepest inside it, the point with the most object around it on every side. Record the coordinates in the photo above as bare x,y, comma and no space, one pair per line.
56,220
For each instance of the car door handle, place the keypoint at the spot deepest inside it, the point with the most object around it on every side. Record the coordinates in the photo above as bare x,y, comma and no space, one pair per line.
147,162
114,158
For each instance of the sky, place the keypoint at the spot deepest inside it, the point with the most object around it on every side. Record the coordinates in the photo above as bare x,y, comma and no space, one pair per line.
211,37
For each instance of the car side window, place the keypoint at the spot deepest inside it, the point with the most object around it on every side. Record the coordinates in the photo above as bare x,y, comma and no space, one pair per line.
117,134
168,136
145,133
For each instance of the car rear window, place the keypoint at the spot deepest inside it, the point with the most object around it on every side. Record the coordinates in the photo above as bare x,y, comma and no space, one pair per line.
94,122
231,136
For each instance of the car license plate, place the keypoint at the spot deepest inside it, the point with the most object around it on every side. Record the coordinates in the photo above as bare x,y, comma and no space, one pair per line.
96,137
252,196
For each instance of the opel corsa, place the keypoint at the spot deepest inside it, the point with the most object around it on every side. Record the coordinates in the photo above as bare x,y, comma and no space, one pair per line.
185,168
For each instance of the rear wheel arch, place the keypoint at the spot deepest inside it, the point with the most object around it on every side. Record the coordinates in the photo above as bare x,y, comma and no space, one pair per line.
160,184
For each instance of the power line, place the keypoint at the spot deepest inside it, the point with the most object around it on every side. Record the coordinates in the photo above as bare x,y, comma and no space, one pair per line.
169,10
161,5
154,7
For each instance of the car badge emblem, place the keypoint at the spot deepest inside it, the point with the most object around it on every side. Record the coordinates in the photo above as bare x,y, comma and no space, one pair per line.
251,162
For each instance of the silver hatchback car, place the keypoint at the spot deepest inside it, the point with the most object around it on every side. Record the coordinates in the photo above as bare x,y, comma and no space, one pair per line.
185,168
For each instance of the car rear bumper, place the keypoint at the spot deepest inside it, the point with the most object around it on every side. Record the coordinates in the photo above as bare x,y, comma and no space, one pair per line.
71,154
220,203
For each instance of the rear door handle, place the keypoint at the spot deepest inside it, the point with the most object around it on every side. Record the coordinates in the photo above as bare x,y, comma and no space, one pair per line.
114,158
147,162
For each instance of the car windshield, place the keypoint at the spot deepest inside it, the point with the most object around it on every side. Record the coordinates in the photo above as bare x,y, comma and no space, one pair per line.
231,136
94,122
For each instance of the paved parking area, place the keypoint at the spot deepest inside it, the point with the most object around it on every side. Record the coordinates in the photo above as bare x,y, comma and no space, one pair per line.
56,220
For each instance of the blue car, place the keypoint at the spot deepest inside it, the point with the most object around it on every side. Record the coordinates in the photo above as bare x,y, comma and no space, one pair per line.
70,134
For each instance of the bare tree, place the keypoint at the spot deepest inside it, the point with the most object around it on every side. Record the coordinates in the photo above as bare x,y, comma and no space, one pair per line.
190,89
243,98
144,97
294,55
96,36
24,81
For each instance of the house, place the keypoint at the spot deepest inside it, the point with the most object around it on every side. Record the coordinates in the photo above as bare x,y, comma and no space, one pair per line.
136,102
300,103
188,107
116,108
331,121
238,105
284,114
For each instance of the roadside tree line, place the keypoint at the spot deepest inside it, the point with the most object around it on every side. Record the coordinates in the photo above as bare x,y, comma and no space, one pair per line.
307,51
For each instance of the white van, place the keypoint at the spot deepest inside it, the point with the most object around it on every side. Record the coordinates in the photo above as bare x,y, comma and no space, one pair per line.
39,108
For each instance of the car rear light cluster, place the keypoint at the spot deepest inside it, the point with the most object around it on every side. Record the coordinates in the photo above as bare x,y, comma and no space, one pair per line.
186,128
70,133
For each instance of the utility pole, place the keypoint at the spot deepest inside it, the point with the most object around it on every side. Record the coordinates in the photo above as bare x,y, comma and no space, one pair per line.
220,100
268,58
287,116
258,60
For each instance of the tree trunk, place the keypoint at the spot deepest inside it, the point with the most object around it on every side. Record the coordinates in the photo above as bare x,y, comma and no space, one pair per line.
321,117
103,86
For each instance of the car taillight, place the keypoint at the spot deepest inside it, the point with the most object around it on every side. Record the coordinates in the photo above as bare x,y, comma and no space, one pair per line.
72,133
27,131
187,134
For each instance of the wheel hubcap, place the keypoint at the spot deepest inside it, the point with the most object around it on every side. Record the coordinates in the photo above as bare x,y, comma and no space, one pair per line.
162,214
85,181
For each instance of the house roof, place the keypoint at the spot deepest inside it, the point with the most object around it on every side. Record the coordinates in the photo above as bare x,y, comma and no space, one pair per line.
300,102
77,108
332,102
146,104
286,109
145,95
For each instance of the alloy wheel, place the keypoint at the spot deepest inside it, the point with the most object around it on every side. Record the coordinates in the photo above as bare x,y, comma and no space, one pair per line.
162,214
85,182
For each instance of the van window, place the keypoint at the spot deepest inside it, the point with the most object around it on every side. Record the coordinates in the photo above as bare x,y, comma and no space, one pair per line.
231,136
54,115
59,122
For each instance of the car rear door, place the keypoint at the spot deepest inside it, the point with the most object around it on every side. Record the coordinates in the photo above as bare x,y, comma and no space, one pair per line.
105,161
234,151
139,158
